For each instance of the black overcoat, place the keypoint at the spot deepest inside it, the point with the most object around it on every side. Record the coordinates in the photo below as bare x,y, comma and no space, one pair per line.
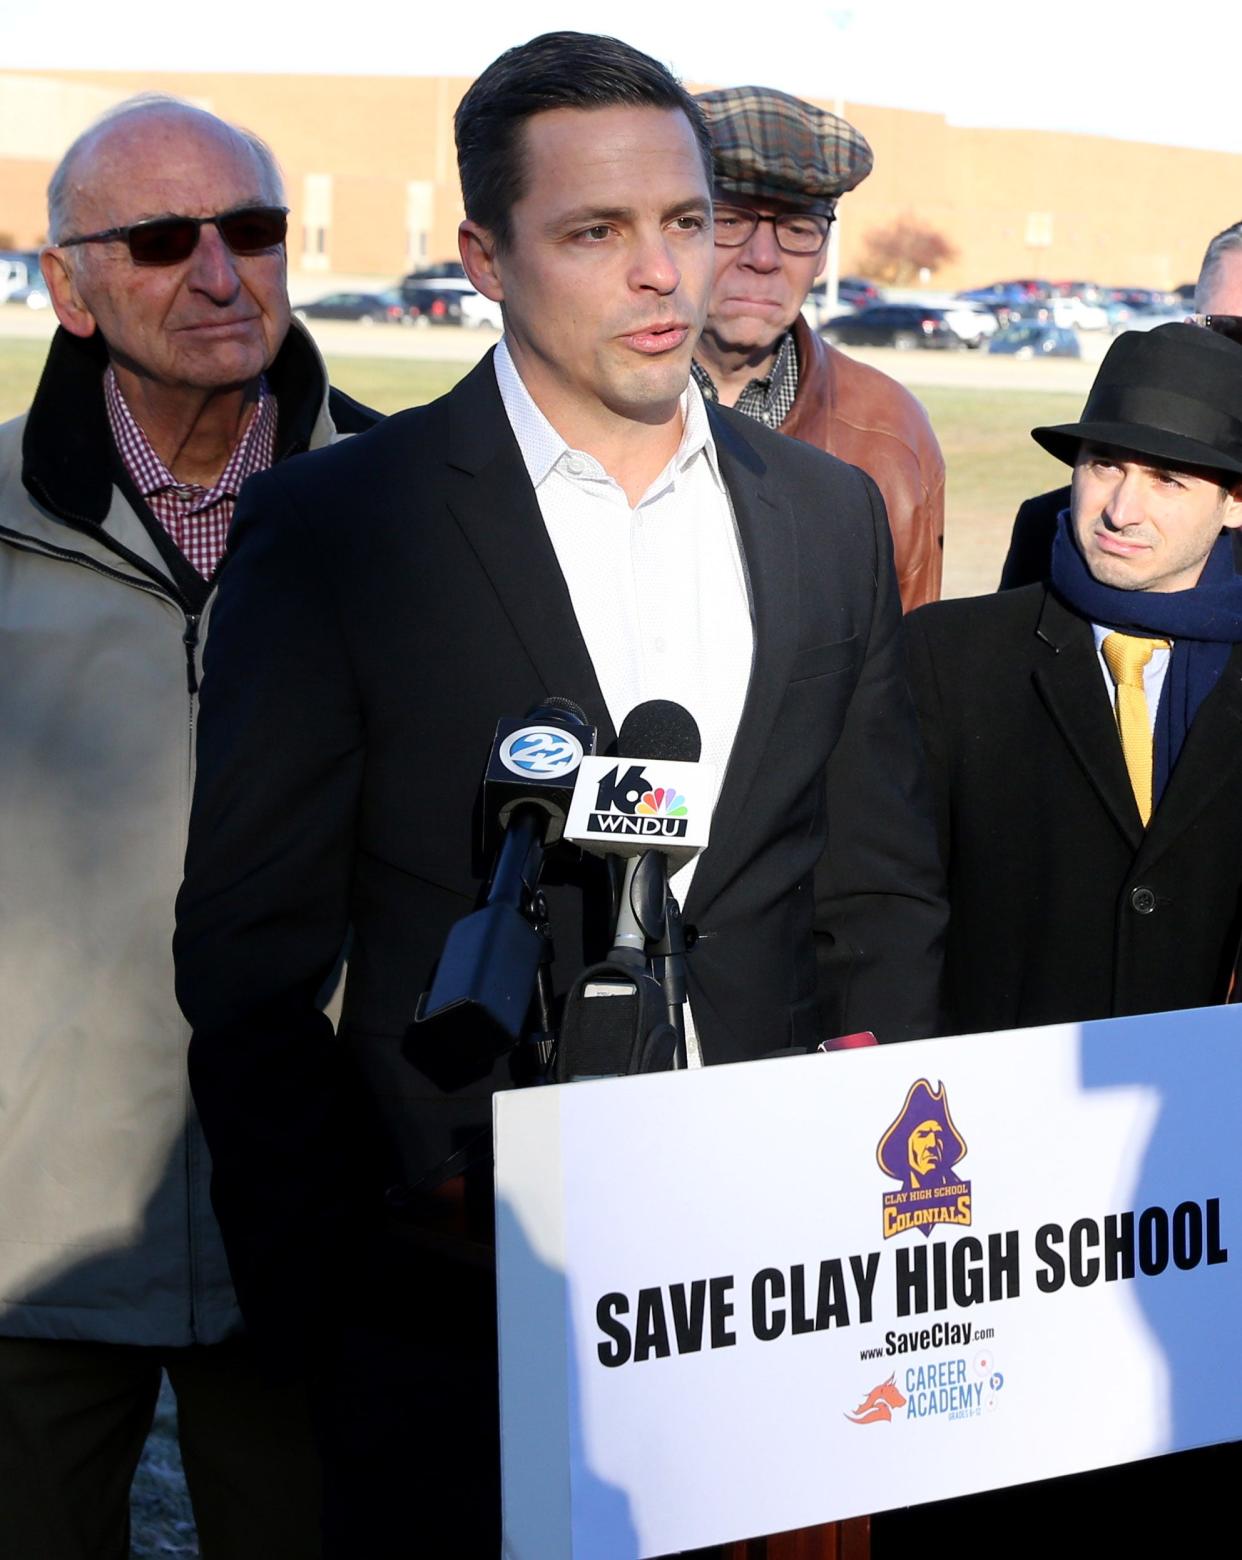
1062,907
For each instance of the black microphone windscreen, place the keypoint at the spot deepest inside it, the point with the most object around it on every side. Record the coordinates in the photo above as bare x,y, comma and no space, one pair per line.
554,705
660,729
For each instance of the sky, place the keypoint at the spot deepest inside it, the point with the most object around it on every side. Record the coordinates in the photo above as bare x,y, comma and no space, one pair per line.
1127,70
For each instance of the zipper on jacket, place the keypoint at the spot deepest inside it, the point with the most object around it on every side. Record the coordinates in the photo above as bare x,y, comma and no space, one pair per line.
190,640
41,549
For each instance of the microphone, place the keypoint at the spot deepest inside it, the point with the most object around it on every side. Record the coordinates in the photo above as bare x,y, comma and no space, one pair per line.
534,762
495,958
670,734
651,805
656,797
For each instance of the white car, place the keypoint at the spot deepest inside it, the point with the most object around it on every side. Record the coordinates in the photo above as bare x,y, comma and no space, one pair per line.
476,310
973,322
1076,314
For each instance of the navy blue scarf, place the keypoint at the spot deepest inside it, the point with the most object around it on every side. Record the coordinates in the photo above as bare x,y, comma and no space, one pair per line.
1204,624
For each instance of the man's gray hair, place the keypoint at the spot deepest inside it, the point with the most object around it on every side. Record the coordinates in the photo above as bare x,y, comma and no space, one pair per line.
1223,244
60,189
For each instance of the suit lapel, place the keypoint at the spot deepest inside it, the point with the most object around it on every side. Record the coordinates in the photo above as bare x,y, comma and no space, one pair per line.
1210,758
1069,680
491,498
768,541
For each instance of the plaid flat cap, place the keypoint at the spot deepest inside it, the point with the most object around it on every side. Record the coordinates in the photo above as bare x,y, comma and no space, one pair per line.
770,145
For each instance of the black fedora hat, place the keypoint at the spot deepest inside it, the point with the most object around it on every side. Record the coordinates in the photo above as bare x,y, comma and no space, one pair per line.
1173,393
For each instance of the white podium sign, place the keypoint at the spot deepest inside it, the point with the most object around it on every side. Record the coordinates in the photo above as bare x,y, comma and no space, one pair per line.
765,1296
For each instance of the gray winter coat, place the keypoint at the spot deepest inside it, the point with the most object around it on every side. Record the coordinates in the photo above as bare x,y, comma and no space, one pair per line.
106,1231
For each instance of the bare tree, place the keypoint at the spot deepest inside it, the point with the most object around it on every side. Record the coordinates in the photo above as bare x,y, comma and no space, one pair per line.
899,251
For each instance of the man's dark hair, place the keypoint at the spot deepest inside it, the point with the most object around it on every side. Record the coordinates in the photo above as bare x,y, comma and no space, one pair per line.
556,70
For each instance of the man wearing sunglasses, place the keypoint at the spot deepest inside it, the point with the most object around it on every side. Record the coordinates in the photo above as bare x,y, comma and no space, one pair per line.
1218,306
175,374
780,166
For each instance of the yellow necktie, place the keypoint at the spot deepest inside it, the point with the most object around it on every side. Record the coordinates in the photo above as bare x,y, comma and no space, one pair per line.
1126,655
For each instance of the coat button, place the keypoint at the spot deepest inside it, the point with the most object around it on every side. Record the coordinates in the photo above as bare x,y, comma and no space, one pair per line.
1143,900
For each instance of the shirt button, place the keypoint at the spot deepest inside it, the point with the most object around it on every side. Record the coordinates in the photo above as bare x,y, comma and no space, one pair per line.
1143,900
574,467
661,646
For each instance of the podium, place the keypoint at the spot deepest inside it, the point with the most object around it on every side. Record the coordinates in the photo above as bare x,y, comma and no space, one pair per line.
760,1298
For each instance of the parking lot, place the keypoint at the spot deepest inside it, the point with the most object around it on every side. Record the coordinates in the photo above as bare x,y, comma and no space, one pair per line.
980,405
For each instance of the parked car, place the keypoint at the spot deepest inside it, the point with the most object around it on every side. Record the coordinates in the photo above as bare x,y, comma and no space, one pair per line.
431,304
19,271
1025,286
1157,314
34,295
475,309
442,270
900,325
480,312
1031,339
385,308
857,291
974,322
1003,302
1089,292
1143,297
1075,313
1068,313
852,293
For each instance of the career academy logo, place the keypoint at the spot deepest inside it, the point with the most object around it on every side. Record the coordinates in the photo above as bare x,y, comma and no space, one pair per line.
628,801
541,752
920,1149
952,1389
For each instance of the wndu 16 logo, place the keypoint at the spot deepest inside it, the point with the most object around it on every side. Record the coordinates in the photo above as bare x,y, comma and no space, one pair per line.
627,803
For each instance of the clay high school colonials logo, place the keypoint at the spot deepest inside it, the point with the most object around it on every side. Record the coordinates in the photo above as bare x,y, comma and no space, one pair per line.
920,1150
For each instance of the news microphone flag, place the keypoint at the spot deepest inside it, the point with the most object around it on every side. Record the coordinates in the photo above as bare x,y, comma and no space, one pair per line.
627,806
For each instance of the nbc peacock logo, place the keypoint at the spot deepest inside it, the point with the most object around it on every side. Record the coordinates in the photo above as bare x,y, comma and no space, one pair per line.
663,800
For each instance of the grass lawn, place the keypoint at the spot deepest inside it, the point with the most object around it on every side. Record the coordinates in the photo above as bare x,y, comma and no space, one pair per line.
389,384
992,461
993,464
21,363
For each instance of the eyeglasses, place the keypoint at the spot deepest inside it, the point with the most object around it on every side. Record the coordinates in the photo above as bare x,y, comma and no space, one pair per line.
167,240
796,232
1223,324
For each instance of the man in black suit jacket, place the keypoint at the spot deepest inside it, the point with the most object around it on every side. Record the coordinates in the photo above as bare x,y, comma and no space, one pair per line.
1218,301
1072,895
412,593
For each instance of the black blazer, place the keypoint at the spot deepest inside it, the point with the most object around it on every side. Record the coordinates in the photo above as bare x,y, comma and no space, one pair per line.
1062,907
383,604
1030,545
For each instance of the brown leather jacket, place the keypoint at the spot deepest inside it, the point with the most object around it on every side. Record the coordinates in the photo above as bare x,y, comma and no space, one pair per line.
864,417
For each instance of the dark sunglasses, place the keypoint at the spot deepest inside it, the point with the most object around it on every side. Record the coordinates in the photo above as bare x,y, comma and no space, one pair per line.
166,240
1223,324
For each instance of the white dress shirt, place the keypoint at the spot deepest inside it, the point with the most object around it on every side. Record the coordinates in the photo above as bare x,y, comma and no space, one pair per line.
659,590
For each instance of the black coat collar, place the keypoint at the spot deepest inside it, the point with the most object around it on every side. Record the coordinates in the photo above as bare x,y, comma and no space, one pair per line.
67,449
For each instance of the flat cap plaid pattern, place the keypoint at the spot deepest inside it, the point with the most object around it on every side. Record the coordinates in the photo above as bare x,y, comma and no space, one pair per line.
772,146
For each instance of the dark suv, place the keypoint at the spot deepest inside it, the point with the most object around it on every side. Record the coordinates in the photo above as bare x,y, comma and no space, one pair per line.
900,325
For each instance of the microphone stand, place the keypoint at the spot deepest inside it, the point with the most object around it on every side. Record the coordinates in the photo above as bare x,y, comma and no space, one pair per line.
668,965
